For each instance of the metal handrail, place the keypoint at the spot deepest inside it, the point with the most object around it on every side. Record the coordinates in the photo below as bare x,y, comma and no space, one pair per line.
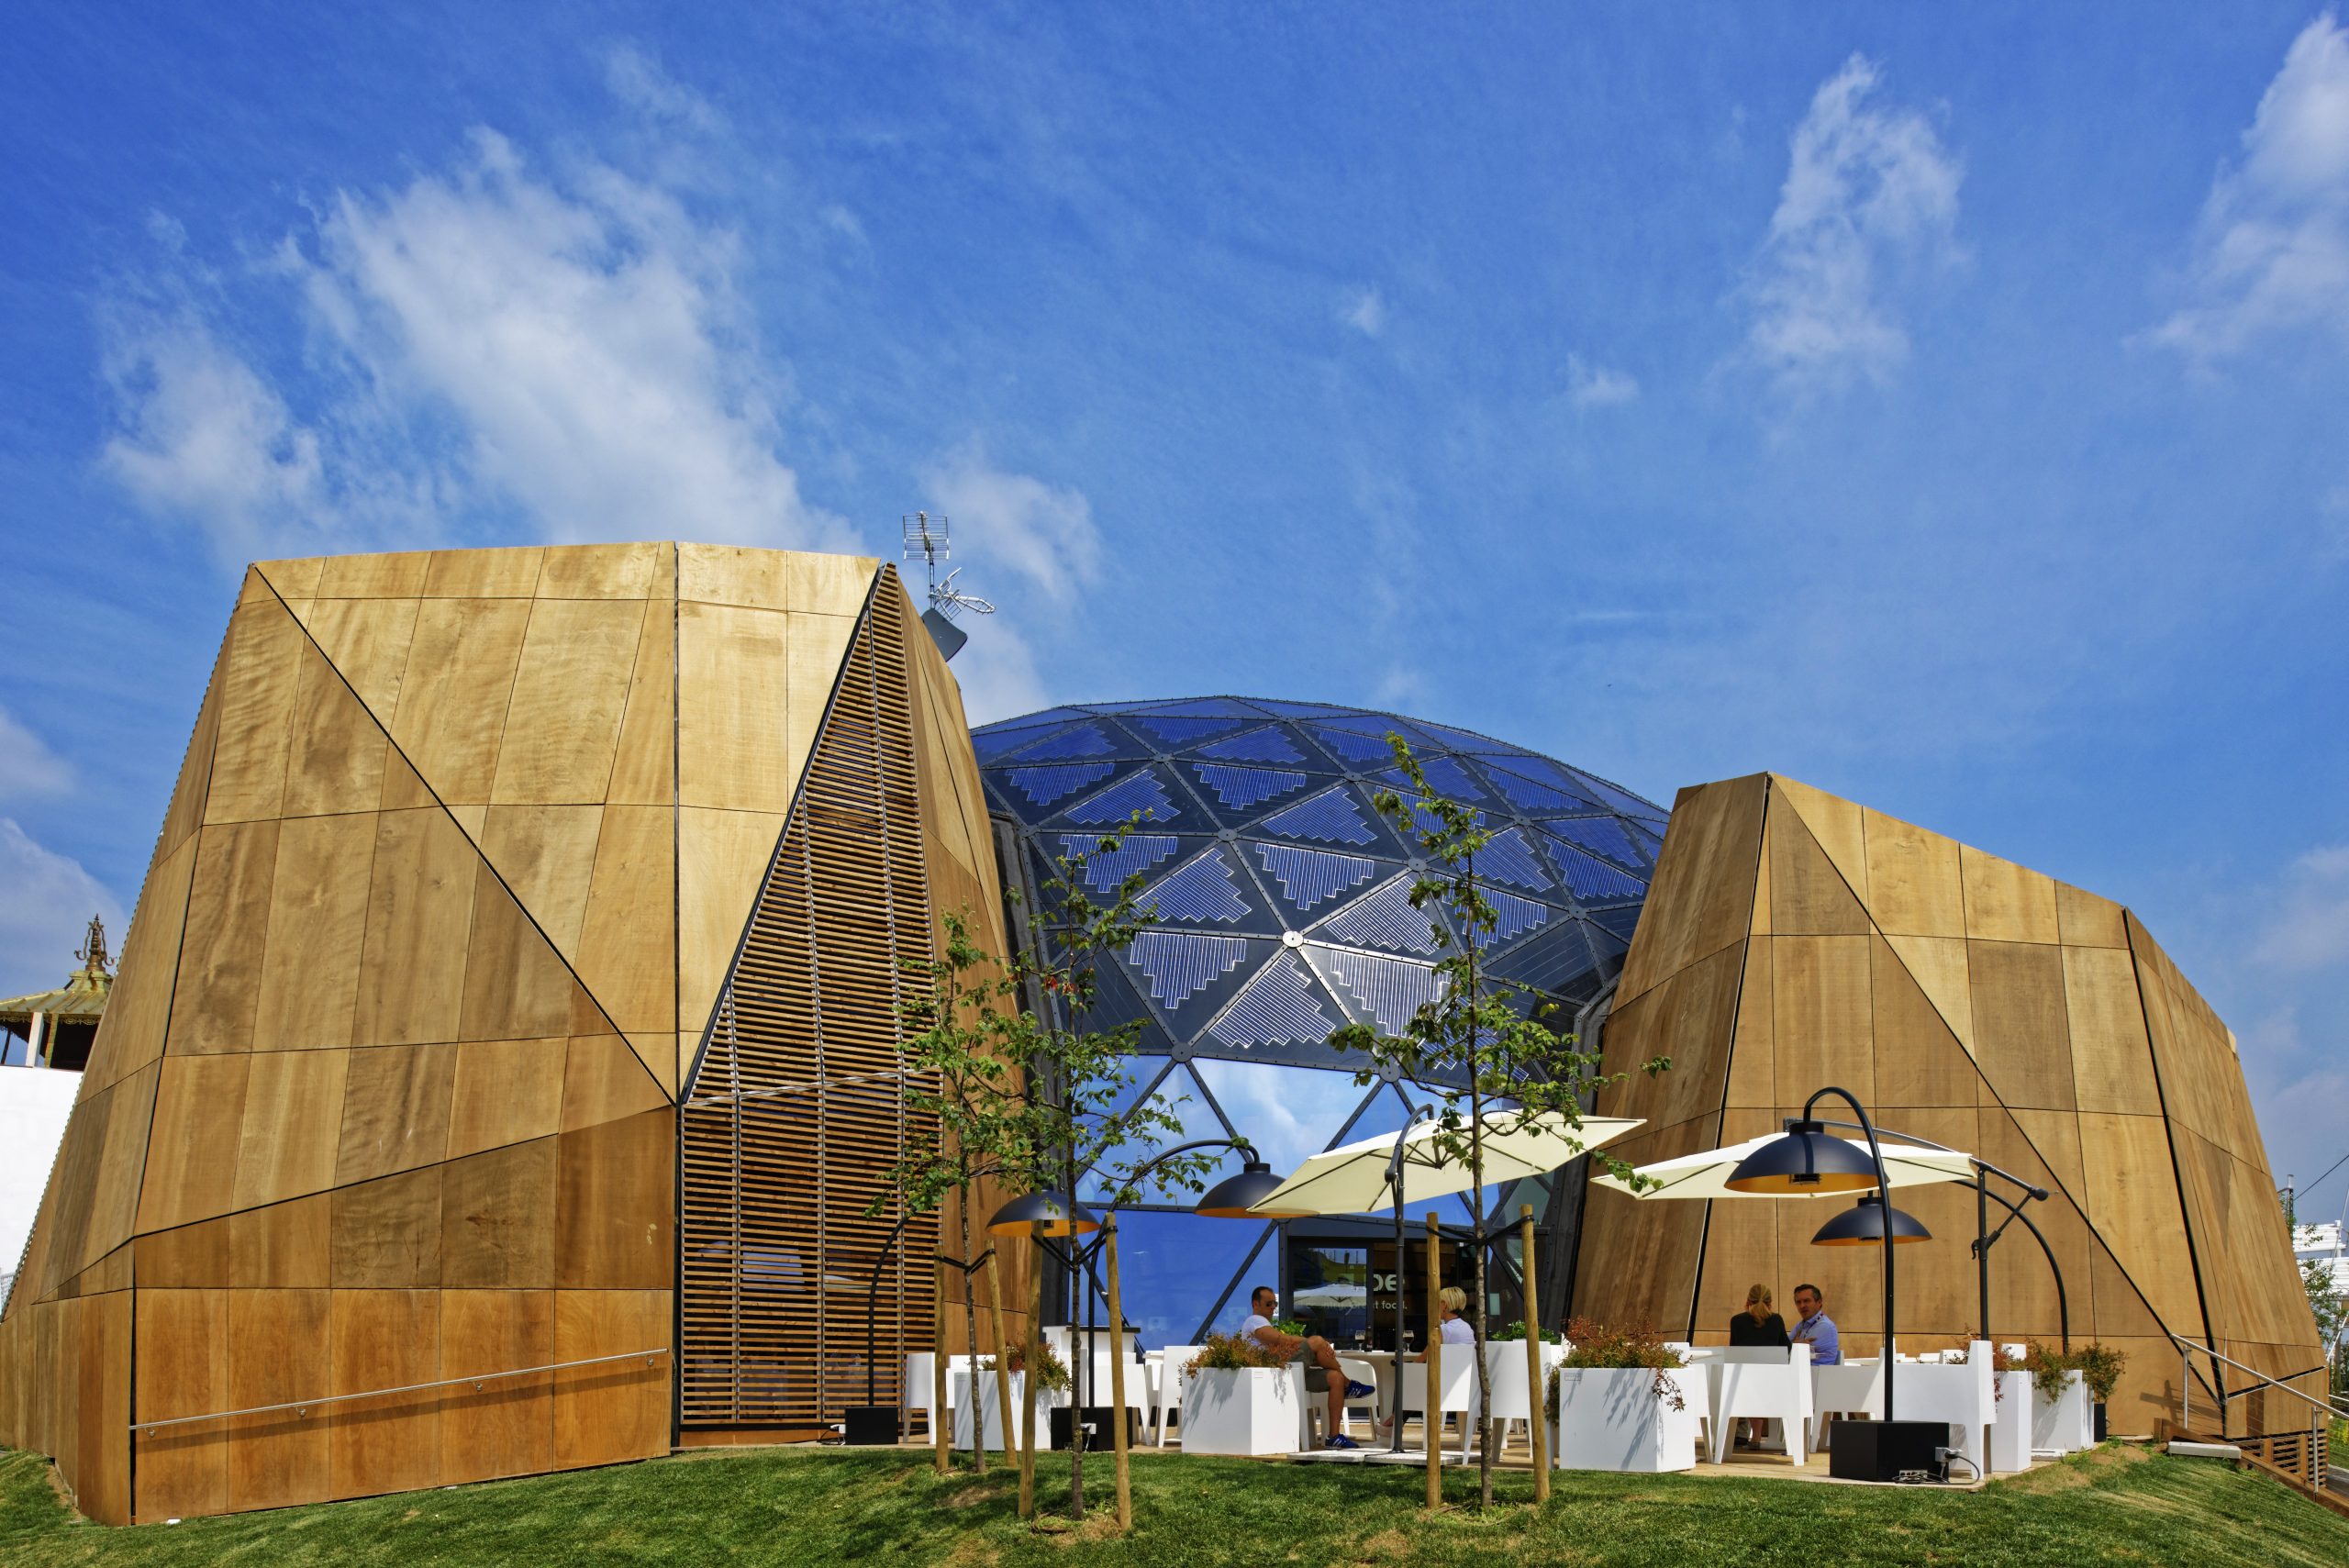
303,1406
2186,1383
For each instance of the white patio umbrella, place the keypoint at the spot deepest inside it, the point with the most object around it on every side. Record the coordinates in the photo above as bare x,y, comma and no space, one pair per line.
1351,1178
1340,1295
1705,1174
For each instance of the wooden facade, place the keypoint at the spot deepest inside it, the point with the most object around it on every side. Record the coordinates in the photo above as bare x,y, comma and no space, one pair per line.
474,856
1792,940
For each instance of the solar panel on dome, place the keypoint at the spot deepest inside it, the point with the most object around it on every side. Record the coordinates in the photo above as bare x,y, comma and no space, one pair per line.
1280,1007
1509,858
1384,919
1306,877
1390,989
1330,817
1142,792
1620,799
1177,731
1043,786
1208,707
1240,788
1592,878
1553,961
1348,746
1600,835
1621,922
1085,741
1286,709
1103,873
1202,890
1537,800
1513,917
1180,965
1458,740
990,744
1266,745
1444,776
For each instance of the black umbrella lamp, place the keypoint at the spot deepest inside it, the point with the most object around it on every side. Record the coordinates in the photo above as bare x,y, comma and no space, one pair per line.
1805,1161
1043,1213
1233,1197
1862,1225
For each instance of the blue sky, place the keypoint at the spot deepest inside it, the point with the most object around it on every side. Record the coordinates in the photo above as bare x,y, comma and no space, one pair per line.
1944,406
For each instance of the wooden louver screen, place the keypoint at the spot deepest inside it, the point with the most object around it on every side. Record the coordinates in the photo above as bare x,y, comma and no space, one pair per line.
795,1110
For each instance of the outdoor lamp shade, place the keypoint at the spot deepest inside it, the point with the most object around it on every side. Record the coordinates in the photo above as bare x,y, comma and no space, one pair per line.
1862,1225
1230,1198
1802,1161
1042,1214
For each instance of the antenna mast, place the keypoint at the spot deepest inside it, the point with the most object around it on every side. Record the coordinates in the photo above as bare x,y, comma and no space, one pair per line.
925,537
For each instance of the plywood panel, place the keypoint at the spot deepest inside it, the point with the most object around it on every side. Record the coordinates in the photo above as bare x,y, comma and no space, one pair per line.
191,1154
1919,1061
733,700
226,937
182,1370
517,987
644,766
721,858
497,1218
2112,1065
191,1256
569,691
367,641
394,1111
633,893
620,1411
335,755
1808,895
101,1475
2022,1290
1938,965
614,1204
507,1091
828,585
511,573
420,903
391,576
285,1245
2131,1201
815,646
1638,1260
1702,897
598,570
289,579
2088,920
546,855
2118,1310
384,1339
2022,1037
260,671
194,784
317,924
505,1426
277,1352
1754,1070
292,1125
385,1234
449,726
604,1081
122,1162
2005,902
733,575
130,1032
1819,995
1835,823
1914,885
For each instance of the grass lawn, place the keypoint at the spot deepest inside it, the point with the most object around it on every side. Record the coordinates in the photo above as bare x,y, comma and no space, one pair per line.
800,1506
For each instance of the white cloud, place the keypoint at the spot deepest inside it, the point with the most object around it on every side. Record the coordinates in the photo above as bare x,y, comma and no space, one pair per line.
27,767
1596,387
2273,251
1365,310
49,898
636,80
486,340
1870,193
997,671
1044,533
2310,929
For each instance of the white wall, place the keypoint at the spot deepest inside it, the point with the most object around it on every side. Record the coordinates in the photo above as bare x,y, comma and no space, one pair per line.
34,1104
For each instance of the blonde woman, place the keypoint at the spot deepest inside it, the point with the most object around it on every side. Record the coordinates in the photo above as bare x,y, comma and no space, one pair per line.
1757,1325
1453,1329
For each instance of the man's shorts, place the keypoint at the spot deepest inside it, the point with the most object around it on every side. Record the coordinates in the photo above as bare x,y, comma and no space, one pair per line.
1316,1378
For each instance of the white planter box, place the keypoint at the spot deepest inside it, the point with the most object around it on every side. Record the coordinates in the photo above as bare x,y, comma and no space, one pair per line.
2017,1410
990,1407
1253,1411
1611,1418
2067,1423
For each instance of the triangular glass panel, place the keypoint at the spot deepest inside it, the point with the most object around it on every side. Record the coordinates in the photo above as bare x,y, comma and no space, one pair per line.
1362,721
1115,1004
1599,835
1381,1114
1307,877
1513,917
1534,798
1143,792
1180,965
1282,1006
1460,739
1270,744
1507,857
1352,747
1389,989
1177,1270
995,741
1177,1094
1332,816
1290,1114
1284,709
1050,716
1045,785
1243,789
1206,707
1103,873
1592,879
1621,923
1445,777
1553,962
1384,918
1175,730
1201,891
1615,795
1070,745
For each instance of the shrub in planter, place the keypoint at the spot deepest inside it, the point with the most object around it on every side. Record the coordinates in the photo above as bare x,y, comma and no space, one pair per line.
1233,1352
1515,1333
1598,1345
1241,1398
1615,1402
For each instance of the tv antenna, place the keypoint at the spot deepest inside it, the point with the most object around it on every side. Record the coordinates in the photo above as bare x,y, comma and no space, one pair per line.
925,537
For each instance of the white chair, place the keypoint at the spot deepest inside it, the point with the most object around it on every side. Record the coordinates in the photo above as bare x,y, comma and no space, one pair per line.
1173,1372
1513,1397
1457,1394
1959,1393
920,1390
1777,1389
1313,1406
1852,1388
1359,1372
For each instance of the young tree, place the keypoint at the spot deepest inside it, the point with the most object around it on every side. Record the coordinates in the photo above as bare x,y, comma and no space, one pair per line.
2330,1306
1486,1048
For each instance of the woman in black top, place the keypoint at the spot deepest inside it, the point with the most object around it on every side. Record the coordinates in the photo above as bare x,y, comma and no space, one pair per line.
1757,1325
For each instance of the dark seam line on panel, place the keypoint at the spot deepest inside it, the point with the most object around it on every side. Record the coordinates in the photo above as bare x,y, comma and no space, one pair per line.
676,939
479,854
2216,1384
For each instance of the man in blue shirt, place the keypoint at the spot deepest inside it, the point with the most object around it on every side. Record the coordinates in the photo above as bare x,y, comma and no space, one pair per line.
1817,1329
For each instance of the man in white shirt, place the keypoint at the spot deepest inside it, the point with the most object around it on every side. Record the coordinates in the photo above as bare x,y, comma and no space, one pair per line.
1313,1351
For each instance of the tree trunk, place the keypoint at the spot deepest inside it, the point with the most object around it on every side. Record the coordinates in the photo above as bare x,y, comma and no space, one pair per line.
1080,1365
971,1337
1477,1323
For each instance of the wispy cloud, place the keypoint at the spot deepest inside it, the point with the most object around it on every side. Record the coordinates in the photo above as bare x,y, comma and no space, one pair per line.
2309,927
27,767
49,898
2273,251
637,79
1596,387
1365,310
1870,195
1043,532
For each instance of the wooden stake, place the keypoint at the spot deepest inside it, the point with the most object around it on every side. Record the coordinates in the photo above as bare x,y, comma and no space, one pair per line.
941,1428
1002,1374
1035,1366
1117,1386
1538,1420
1432,1418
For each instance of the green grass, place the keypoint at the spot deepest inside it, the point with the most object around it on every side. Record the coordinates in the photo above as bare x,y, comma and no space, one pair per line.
2117,1505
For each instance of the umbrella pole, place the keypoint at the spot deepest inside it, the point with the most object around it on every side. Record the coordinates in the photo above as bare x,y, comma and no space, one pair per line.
1402,1244
1432,1416
1536,1419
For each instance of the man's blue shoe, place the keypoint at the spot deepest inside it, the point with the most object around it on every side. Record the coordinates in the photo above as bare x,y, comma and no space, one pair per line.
1340,1440
1358,1390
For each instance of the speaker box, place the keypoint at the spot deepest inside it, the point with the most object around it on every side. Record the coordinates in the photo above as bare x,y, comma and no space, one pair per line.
1101,1437
1880,1451
870,1426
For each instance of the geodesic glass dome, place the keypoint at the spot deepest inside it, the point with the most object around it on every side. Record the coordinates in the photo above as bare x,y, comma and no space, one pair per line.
1283,911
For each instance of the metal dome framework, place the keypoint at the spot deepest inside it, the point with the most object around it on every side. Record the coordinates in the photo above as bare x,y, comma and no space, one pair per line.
1281,898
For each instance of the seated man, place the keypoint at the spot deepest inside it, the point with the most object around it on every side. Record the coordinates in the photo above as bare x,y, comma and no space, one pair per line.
1314,1352
1817,1329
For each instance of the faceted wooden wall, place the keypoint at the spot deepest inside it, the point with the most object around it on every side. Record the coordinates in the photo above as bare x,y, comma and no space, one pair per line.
462,850
1792,940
